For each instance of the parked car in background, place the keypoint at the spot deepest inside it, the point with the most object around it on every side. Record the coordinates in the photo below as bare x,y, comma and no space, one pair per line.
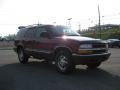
113,43
61,45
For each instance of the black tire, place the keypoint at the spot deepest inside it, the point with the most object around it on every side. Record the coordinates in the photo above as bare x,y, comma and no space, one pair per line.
64,62
23,58
93,65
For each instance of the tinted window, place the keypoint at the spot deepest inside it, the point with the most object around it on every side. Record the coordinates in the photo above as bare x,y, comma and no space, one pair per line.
39,31
62,30
30,33
21,33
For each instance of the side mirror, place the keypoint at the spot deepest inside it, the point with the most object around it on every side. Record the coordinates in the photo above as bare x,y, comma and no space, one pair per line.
45,35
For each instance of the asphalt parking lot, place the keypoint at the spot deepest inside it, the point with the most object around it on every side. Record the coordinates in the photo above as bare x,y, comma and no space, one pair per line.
37,75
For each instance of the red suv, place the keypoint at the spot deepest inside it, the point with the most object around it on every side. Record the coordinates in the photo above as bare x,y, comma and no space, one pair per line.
61,45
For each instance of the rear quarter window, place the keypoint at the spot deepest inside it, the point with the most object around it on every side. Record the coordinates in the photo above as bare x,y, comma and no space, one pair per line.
21,34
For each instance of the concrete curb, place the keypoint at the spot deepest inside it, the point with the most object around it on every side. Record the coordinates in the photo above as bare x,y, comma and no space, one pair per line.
6,48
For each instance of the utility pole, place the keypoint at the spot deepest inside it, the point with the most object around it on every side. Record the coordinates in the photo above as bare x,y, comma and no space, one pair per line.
38,23
99,23
79,30
69,19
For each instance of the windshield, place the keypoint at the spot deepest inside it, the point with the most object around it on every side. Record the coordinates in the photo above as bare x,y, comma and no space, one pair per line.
63,30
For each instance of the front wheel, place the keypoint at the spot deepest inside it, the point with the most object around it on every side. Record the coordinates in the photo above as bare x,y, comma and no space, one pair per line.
64,62
23,58
93,65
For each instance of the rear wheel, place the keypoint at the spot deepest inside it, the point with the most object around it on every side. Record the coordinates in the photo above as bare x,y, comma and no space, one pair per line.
64,62
23,58
93,65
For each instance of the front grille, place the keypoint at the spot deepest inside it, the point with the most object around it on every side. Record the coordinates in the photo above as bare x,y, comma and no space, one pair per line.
99,45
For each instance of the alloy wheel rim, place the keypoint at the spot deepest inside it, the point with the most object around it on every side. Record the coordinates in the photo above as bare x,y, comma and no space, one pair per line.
62,62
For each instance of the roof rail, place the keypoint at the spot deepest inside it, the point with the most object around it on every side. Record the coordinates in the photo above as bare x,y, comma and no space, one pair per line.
21,27
33,25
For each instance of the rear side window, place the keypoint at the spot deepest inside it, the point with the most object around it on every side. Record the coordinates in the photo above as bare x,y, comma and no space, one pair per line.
39,31
30,32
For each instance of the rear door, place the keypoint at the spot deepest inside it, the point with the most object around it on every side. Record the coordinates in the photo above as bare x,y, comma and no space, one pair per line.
43,44
29,39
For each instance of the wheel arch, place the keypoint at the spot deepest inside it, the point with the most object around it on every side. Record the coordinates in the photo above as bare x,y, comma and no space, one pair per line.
57,49
18,47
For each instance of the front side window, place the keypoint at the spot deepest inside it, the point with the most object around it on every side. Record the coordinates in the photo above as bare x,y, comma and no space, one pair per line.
63,30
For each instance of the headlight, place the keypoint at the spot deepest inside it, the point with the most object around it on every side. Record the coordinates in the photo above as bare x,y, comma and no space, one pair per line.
85,46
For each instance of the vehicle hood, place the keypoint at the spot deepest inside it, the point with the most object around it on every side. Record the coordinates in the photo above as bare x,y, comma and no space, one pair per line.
80,38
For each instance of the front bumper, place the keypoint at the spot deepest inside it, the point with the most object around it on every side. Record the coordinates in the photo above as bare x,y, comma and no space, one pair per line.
92,58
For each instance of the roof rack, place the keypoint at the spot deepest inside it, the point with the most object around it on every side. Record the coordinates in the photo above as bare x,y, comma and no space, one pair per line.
29,26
